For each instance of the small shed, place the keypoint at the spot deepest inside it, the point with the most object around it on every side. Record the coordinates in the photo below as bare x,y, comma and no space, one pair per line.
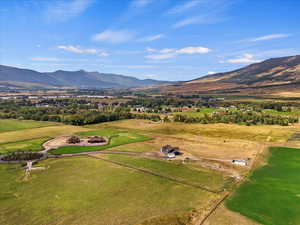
96,139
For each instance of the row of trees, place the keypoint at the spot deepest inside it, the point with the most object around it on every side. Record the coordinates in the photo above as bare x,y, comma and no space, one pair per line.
22,156
238,117
68,114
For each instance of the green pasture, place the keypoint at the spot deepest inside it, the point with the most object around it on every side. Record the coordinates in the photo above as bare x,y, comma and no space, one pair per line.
13,125
271,196
208,179
85,191
23,146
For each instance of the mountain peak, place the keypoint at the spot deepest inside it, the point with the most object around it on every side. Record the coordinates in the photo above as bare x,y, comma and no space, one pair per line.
271,73
80,78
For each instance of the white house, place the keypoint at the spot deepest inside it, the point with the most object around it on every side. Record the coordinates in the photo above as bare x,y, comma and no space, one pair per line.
239,162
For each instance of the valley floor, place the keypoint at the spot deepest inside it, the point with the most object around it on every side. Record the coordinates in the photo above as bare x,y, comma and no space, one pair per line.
136,185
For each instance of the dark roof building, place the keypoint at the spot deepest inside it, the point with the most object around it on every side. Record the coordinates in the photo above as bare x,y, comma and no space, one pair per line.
170,151
73,140
96,139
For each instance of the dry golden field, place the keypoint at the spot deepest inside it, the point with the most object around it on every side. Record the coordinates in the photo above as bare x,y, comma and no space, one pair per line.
217,141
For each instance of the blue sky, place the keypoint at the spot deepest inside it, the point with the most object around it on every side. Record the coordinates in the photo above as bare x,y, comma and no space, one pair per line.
159,39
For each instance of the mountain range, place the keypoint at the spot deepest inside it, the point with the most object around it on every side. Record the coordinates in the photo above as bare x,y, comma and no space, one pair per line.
272,75
276,74
12,77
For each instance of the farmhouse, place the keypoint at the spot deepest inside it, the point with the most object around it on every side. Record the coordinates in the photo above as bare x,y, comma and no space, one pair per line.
239,162
170,151
96,139
73,140
140,109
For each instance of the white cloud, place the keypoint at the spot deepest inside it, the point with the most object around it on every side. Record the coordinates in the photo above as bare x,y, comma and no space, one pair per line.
45,59
67,9
184,7
247,58
211,73
193,50
168,53
188,21
152,38
104,54
80,50
269,37
211,11
167,50
114,36
150,49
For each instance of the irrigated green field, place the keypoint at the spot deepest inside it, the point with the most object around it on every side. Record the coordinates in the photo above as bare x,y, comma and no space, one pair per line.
23,146
272,194
116,137
88,191
12,125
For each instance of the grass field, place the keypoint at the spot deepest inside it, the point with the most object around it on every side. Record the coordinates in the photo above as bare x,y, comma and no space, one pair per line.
294,113
116,137
272,196
225,131
13,125
208,179
23,146
34,133
201,112
88,191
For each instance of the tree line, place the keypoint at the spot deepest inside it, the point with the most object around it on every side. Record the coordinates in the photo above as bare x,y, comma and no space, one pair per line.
238,117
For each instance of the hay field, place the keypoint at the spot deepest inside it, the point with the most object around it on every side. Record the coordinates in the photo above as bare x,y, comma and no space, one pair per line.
87,191
224,131
12,124
52,131
219,141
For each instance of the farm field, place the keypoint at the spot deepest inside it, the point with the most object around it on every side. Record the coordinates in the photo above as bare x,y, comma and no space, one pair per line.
23,146
100,192
271,196
13,125
33,133
219,141
208,179
226,131
84,190
116,137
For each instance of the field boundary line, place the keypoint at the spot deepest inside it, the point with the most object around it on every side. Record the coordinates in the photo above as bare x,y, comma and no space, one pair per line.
158,175
214,209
